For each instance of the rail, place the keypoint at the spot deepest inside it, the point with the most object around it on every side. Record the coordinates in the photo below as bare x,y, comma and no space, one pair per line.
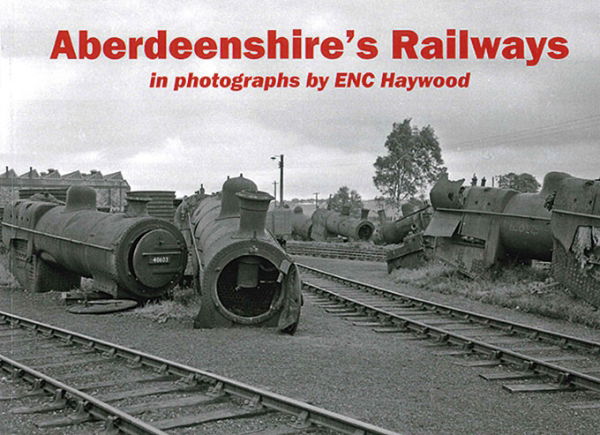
409,321
303,412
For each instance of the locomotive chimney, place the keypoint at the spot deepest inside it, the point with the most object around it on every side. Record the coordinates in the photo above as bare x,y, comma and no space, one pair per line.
137,206
253,213
364,213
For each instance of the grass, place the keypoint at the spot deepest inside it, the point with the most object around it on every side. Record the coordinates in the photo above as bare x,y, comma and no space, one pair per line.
184,304
7,280
524,288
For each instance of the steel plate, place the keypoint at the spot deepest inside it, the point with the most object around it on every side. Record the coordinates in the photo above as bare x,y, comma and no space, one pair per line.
103,307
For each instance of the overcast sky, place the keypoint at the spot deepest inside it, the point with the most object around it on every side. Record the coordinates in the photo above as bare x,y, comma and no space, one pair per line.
101,114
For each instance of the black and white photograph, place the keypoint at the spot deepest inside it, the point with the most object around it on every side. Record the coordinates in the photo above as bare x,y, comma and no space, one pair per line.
274,217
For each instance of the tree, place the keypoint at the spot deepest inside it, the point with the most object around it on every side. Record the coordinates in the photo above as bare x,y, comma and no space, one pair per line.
413,160
522,182
346,197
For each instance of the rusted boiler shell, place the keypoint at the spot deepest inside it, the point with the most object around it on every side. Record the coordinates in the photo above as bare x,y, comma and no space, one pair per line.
327,223
413,222
127,255
476,227
245,276
530,237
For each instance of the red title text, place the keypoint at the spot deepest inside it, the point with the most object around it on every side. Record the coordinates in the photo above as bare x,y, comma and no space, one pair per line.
405,44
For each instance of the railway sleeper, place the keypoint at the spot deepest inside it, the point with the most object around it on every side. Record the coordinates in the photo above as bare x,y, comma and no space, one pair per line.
538,388
79,416
509,376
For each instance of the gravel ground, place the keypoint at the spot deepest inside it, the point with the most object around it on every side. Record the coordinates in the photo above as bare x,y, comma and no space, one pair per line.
385,379
375,273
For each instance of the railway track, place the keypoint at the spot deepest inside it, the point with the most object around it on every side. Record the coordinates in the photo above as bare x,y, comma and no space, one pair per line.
536,360
90,381
333,251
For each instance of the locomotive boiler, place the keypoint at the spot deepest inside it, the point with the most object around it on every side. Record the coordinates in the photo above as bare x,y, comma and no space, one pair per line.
576,235
128,255
244,276
329,223
414,221
476,227
414,248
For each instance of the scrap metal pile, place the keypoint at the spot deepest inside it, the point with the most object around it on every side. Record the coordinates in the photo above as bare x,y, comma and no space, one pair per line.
475,228
407,232
243,275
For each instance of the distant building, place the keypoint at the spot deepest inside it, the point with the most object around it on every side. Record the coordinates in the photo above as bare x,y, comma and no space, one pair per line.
111,189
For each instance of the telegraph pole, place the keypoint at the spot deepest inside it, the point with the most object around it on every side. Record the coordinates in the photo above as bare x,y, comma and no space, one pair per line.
280,178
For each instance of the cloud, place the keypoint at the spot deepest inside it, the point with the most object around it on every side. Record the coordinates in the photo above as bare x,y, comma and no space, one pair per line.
171,151
101,114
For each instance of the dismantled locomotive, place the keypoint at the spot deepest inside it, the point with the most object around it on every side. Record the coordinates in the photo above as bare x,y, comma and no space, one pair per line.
575,227
476,227
329,223
127,254
243,274
407,231
415,218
